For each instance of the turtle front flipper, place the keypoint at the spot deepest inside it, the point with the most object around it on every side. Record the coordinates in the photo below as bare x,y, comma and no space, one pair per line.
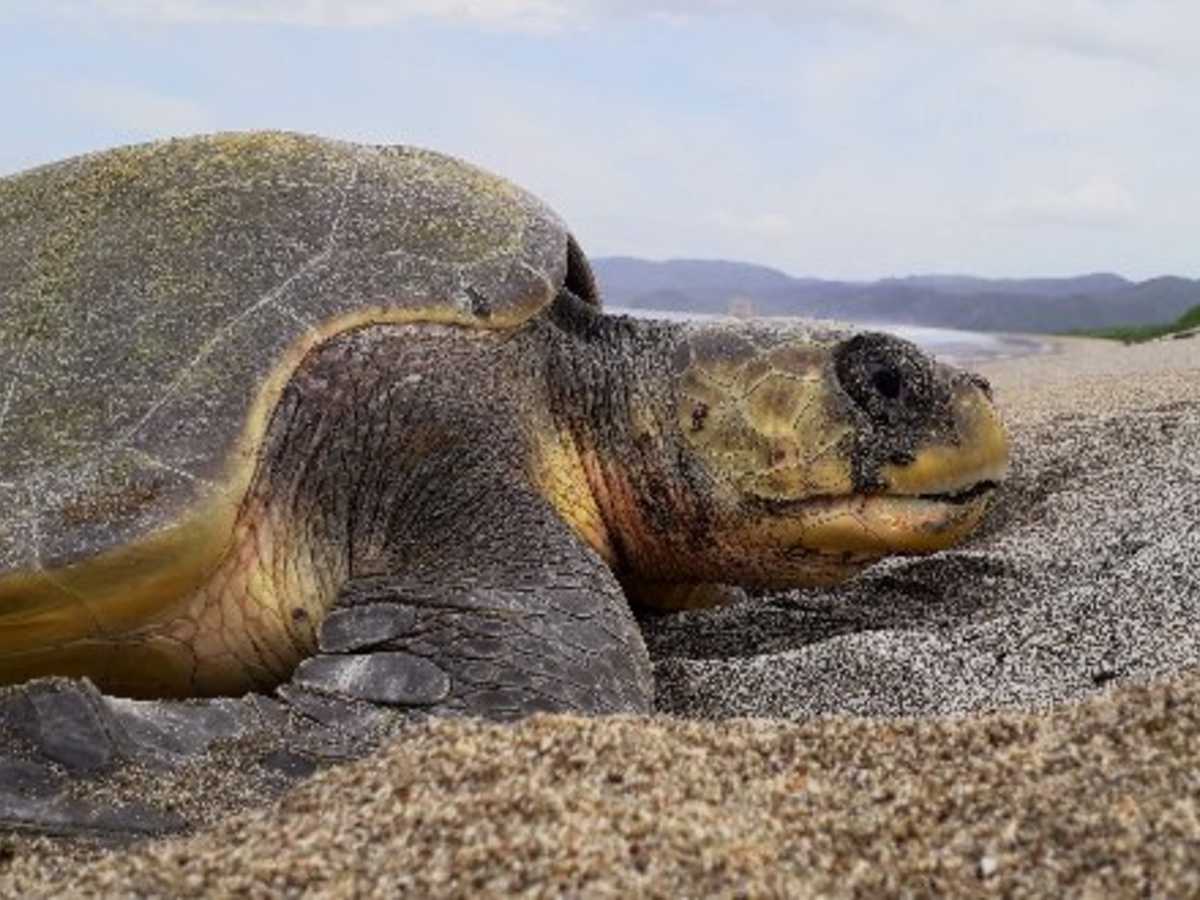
523,620
526,619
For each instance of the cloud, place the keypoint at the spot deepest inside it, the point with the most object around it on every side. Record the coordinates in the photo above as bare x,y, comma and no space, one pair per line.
1153,32
850,138
1150,31
764,223
1095,202
129,108
536,15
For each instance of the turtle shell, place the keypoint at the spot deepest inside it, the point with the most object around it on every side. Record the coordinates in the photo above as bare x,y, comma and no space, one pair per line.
155,299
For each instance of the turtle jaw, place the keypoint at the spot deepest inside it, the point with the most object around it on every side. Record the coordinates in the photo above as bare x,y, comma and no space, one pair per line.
822,541
877,525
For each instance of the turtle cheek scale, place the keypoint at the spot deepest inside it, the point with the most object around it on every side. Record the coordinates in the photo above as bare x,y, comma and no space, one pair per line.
760,411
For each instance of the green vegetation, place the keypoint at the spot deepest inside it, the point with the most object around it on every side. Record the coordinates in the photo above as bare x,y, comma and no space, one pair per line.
1133,334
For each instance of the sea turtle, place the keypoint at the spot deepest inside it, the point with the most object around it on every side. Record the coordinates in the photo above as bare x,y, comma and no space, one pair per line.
274,406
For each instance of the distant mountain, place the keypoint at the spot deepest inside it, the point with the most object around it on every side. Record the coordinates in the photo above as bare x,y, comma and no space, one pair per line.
1096,284
627,275
1099,300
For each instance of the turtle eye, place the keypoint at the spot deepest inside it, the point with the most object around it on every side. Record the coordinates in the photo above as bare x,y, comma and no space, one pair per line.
889,379
580,281
887,382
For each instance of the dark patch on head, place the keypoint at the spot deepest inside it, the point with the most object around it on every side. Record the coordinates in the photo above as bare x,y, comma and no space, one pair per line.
699,414
299,614
900,396
887,378
657,498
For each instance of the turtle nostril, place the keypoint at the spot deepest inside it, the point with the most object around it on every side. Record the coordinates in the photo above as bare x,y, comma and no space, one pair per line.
982,383
887,383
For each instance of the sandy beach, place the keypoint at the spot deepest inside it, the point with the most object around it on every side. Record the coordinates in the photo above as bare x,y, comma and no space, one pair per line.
1019,716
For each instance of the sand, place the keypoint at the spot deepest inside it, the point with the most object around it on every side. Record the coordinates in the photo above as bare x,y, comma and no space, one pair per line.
1019,716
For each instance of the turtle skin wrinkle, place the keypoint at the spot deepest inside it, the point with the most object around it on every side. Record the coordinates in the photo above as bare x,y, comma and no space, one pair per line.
411,454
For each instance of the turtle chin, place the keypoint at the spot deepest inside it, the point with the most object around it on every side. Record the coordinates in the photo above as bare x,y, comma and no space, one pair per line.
821,541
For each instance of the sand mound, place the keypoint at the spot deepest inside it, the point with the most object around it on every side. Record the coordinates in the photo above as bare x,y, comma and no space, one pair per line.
1084,586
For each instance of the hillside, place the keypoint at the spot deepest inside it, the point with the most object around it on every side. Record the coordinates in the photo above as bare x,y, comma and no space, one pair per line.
1186,326
1092,301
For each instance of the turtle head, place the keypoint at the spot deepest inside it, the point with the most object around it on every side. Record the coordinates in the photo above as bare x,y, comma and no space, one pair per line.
822,451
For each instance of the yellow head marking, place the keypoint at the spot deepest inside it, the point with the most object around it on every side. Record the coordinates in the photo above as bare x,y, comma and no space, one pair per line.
758,409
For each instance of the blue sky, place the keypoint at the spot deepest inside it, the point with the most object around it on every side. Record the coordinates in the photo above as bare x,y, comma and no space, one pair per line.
835,138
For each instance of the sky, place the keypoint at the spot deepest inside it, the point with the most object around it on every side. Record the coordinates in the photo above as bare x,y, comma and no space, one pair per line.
847,139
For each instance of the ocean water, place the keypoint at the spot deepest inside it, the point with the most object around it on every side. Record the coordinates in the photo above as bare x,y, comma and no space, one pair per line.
948,344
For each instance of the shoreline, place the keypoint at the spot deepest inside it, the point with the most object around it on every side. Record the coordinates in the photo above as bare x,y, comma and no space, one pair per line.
1006,346
953,345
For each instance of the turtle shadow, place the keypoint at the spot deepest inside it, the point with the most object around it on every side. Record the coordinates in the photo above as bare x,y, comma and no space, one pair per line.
937,593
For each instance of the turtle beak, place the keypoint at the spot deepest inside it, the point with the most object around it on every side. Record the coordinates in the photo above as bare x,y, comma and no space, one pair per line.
974,453
938,498
932,495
